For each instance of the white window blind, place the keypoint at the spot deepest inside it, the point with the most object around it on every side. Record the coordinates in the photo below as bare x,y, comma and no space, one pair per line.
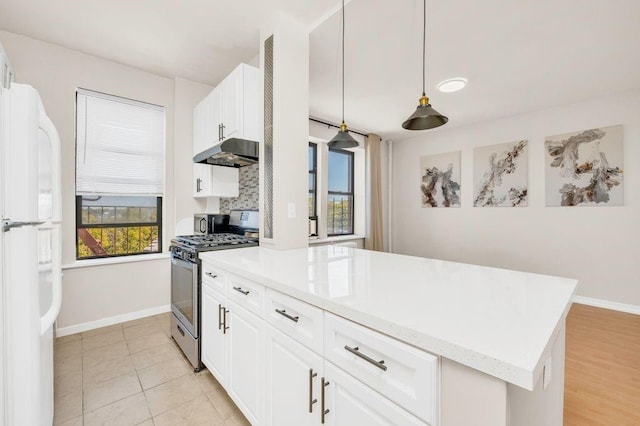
120,146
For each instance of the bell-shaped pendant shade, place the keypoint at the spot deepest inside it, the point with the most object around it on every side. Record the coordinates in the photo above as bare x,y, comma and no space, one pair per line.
343,139
424,117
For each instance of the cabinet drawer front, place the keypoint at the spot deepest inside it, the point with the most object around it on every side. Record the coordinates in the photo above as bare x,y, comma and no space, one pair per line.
245,293
297,319
213,278
404,374
351,403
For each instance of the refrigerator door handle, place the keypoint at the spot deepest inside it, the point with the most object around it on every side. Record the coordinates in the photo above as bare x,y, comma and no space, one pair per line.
56,168
7,224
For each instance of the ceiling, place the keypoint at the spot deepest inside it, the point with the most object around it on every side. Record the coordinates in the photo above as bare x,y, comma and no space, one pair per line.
519,56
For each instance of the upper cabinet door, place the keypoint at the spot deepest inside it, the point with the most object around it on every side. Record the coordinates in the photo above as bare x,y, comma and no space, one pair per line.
232,117
215,117
199,124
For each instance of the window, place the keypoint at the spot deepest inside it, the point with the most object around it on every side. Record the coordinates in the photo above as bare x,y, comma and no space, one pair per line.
119,176
313,178
340,194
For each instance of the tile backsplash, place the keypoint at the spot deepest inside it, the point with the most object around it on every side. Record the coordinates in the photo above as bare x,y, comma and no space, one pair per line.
248,198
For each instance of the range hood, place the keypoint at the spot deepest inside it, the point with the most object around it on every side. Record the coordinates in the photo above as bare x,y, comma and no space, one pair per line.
230,153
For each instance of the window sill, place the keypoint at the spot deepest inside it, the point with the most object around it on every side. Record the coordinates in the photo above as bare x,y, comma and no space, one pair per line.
340,238
115,260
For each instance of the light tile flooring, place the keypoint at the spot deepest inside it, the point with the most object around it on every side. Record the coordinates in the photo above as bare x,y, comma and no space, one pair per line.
134,374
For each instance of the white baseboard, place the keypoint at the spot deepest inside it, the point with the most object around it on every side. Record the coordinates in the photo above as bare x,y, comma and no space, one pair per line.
599,303
103,322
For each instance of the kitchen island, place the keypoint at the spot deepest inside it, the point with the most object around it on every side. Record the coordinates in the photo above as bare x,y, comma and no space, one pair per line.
496,337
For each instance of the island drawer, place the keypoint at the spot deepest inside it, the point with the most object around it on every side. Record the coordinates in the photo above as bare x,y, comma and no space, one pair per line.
402,373
295,318
248,294
213,278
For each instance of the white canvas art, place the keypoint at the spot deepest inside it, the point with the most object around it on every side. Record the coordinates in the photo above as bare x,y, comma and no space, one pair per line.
585,168
500,175
440,180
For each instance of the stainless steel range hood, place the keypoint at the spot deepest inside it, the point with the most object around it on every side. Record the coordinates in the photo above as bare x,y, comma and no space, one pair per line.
230,153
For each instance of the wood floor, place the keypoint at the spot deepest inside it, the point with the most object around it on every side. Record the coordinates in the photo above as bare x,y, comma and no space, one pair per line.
602,368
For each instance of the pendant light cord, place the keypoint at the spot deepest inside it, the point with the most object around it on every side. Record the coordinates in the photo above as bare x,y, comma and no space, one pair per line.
424,42
343,61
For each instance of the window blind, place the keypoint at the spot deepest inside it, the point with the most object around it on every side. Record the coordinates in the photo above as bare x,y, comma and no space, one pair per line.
120,146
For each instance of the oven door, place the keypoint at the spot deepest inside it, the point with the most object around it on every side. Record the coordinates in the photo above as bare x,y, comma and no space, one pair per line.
184,293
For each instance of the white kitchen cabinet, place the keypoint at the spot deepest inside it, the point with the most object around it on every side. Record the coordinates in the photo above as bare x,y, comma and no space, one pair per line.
270,363
214,341
293,375
229,111
246,362
203,131
401,373
347,401
215,181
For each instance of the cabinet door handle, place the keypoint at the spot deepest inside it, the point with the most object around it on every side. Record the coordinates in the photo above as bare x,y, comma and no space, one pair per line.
323,410
240,290
198,182
223,127
214,276
311,399
285,314
356,351
224,320
219,132
219,316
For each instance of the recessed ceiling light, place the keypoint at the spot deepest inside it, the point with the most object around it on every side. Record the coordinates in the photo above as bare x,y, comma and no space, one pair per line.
452,85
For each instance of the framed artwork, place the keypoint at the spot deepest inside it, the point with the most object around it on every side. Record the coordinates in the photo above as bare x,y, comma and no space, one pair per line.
585,168
440,185
500,175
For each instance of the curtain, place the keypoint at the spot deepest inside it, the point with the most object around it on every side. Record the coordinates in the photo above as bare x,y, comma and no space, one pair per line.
374,237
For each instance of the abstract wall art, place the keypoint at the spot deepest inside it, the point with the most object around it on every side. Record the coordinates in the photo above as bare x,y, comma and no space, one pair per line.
500,175
585,168
440,185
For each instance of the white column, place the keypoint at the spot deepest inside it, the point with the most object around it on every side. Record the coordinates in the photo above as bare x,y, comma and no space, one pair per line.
290,134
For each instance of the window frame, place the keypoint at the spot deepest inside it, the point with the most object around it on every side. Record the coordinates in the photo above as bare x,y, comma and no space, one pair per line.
350,193
314,172
80,225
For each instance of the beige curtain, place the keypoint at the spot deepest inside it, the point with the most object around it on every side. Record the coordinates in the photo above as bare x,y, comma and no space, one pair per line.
374,237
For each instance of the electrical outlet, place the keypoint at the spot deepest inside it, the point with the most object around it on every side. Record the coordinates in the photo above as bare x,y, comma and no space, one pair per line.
291,209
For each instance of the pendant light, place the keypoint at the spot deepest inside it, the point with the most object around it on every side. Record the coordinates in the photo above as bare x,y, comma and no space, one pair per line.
425,117
343,139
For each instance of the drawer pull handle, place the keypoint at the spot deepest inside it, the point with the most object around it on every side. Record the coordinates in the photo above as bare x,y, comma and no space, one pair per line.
240,290
284,313
323,411
211,275
311,399
356,351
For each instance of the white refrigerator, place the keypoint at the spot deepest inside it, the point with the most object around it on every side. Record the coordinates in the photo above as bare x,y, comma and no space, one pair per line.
30,249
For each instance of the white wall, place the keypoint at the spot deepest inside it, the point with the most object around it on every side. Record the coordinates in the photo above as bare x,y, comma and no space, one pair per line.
596,245
96,292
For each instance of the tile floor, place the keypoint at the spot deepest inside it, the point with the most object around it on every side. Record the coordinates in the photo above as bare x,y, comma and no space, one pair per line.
134,374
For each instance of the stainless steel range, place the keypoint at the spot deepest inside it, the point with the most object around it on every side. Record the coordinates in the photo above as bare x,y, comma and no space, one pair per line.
186,278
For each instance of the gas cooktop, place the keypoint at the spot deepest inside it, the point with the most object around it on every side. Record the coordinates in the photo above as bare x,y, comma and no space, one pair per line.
207,242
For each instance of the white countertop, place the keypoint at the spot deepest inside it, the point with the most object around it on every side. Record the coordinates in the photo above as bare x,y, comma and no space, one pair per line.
497,321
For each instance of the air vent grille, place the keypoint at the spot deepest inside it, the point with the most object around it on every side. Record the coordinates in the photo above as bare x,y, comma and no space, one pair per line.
268,138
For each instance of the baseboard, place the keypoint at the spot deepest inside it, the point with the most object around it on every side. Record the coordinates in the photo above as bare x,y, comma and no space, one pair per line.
599,303
103,322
